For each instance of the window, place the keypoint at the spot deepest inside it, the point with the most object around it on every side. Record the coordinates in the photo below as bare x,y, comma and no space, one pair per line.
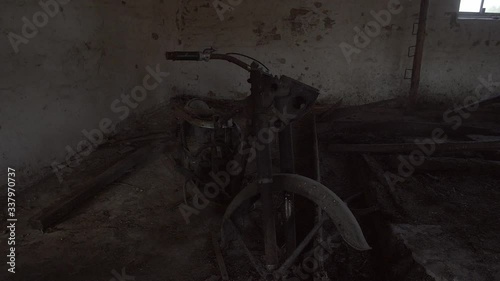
480,9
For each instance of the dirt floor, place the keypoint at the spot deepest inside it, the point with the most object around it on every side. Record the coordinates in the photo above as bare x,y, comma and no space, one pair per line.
452,225
435,226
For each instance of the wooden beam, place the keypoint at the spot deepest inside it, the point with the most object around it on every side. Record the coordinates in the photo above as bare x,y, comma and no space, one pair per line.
399,128
471,166
395,148
56,213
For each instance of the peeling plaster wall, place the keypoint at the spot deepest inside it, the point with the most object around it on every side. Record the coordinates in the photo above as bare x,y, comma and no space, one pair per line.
301,39
65,79
457,53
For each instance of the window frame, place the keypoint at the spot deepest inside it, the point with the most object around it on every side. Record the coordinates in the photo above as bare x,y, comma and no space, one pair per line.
478,15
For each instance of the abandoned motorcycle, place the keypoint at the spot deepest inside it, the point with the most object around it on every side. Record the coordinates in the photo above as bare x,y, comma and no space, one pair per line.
212,133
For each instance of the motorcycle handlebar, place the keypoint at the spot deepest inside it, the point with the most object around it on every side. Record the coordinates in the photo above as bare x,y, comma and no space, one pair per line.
201,56
190,56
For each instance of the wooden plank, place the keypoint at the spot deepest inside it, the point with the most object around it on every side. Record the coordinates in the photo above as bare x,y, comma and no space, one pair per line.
336,113
377,170
379,173
399,128
391,148
471,166
56,213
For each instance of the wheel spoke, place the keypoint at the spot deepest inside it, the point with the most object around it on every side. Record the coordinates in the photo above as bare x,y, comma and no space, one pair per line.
260,269
291,259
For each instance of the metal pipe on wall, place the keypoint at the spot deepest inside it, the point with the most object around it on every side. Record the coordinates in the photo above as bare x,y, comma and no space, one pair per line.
419,51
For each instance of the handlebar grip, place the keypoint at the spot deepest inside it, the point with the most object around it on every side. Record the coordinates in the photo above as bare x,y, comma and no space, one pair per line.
192,56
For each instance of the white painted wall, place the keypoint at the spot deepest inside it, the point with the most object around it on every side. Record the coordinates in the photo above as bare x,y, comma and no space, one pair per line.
65,78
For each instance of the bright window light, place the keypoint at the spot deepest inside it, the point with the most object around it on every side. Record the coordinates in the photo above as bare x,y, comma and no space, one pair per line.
470,6
480,6
492,6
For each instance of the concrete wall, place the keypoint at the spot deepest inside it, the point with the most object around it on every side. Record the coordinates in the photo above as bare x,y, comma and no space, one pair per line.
90,52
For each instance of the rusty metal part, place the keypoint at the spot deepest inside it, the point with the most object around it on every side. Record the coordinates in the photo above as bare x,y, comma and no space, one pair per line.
419,51
409,147
291,259
224,109
293,99
315,149
269,225
207,123
321,273
204,56
260,270
275,102
337,210
309,166
260,104
231,59
287,165
198,122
